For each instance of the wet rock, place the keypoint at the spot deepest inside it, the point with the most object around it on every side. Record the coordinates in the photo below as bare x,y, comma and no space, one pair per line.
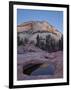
44,69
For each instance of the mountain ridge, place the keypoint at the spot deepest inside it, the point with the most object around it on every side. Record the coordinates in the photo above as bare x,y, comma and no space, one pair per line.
37,25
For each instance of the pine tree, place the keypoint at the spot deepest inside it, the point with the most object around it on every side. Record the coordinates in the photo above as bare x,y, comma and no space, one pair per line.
25,40
61,43
48,43
19,41
53,44
42,45
37,40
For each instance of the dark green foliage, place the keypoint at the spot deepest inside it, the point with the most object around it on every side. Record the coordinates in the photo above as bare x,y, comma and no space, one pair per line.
38,40
61,43
48,43
19,42
25,40
42,45
53,44
57,46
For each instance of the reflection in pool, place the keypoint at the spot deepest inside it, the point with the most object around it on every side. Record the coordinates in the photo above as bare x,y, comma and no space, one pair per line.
39,69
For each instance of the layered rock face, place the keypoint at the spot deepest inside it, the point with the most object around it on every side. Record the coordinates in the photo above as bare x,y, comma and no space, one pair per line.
40,32
24,27
36,25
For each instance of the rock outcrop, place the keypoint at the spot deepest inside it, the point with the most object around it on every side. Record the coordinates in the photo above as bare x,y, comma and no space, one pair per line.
41,34
39,43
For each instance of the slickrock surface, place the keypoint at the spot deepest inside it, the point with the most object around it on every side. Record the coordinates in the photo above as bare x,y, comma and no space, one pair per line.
37,57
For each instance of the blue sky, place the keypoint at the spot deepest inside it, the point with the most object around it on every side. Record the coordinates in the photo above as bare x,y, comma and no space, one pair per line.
55,18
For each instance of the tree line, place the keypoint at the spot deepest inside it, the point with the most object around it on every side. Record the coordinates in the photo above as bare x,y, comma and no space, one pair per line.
49,44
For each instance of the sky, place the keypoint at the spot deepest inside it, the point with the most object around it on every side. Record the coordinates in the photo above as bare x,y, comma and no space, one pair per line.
55,18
